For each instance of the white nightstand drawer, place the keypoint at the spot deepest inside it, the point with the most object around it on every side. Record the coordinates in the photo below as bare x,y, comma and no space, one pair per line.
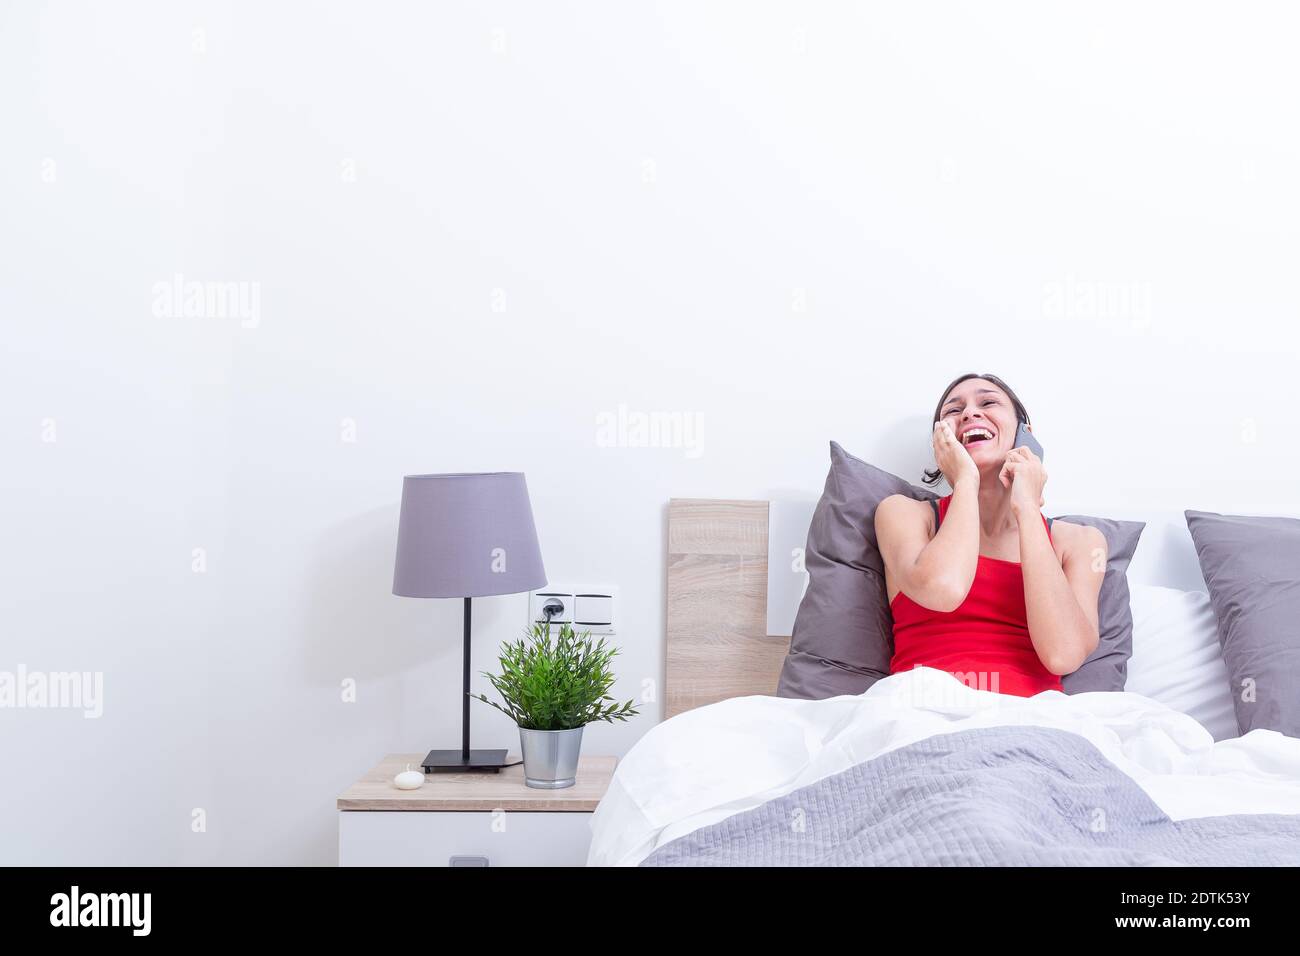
492,815
506,838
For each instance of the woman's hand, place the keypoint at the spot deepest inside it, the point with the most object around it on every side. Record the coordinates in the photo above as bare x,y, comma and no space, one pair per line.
952,457
1025,474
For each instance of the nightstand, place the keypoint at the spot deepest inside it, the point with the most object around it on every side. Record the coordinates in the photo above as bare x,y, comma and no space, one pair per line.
479,818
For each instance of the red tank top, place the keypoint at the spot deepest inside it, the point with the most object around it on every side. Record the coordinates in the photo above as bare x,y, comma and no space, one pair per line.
985,642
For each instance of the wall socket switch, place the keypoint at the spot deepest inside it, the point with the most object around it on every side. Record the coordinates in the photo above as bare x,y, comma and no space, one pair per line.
587,608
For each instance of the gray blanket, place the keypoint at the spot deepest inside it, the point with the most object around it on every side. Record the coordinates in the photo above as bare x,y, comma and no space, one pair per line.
1001,796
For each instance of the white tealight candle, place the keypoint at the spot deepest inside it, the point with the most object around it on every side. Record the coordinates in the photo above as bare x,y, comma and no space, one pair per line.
409,779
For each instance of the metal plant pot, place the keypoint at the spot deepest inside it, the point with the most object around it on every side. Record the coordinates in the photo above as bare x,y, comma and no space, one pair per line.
550,757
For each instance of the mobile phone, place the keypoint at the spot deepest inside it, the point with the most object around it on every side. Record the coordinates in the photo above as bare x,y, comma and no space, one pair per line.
1025,437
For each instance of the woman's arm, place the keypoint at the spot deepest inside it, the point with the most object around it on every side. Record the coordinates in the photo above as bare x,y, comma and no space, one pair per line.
935,572
1060,594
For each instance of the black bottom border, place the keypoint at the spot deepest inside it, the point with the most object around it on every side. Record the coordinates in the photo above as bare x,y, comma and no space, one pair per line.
386,905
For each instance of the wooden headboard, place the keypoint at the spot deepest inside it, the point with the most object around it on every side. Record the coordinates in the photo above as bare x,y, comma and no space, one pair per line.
717,641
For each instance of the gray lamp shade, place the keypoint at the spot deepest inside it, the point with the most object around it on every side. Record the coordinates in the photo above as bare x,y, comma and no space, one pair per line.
468,535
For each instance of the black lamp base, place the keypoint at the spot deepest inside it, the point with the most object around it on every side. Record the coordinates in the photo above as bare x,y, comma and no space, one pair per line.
453,761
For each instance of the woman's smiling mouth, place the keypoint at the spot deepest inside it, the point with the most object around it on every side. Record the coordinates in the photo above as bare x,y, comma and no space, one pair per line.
976,435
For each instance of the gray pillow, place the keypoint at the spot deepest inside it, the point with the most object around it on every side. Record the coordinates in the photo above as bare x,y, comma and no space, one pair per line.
1252,571
843,631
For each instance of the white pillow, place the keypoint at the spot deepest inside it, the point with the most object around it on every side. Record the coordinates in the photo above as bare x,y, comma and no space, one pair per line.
1177,659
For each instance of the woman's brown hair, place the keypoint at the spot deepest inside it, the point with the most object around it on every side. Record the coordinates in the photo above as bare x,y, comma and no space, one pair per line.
932,477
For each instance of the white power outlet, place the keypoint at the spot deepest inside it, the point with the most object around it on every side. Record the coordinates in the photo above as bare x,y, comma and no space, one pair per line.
587,608
538,601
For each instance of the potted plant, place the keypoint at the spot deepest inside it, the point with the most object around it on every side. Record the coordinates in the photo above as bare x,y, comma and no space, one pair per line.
552,689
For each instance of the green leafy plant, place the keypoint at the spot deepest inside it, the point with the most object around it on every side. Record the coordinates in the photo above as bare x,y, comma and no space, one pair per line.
556,685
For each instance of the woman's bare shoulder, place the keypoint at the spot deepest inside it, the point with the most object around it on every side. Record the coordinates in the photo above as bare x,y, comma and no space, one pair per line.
904,508
1072,538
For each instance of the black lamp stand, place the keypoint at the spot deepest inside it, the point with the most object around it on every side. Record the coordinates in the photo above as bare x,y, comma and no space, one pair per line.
465,760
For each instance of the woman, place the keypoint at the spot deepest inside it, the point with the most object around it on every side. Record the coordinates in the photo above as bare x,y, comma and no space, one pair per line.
980,584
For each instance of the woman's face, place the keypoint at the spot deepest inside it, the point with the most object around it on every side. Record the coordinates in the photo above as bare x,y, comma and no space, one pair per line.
983,419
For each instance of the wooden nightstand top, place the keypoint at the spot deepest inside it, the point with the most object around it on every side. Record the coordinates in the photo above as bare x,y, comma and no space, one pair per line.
476,791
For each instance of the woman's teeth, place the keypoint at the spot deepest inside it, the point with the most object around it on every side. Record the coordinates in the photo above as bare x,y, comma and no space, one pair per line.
976,435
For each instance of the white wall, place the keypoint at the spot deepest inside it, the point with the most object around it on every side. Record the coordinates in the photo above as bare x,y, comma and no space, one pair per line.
793,224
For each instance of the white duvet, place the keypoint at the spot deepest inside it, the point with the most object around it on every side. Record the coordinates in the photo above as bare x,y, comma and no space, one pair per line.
709,763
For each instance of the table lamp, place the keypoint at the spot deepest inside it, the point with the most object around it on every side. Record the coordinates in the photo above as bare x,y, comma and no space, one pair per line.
466,536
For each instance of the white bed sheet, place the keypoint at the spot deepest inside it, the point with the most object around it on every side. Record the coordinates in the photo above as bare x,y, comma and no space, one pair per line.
709,763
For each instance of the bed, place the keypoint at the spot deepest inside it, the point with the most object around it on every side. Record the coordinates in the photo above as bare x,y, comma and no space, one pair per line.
922,769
